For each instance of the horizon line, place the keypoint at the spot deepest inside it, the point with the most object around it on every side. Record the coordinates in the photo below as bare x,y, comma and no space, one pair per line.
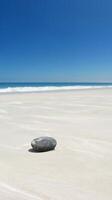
55,82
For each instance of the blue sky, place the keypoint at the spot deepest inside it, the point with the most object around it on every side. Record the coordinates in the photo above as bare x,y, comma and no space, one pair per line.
56,40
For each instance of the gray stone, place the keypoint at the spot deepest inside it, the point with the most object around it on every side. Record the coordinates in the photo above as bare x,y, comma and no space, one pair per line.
43,144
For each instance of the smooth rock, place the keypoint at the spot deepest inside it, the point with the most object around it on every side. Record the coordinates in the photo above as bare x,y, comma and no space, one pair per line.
43,144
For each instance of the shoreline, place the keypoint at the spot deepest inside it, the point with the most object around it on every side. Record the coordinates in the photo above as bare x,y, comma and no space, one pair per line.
50,88
58,91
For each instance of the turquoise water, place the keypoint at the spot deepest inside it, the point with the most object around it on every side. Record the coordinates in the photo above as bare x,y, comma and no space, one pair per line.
44,84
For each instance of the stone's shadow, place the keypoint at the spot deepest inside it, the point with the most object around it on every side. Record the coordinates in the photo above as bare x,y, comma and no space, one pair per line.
33,151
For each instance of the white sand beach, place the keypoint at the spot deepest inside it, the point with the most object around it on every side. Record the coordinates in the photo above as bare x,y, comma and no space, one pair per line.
80,168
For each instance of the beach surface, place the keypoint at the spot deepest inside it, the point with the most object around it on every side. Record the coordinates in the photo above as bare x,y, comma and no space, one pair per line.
80,168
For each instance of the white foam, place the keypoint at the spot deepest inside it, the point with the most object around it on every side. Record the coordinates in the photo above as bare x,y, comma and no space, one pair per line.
48,88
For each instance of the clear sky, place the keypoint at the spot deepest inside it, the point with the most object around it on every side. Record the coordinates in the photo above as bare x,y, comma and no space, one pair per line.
56,40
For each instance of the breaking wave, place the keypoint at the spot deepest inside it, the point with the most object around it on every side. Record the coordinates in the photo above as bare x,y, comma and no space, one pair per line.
48,88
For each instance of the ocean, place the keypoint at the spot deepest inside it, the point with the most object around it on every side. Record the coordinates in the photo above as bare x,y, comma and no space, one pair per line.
46,86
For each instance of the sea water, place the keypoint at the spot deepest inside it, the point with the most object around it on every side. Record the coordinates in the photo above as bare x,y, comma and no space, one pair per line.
46,86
